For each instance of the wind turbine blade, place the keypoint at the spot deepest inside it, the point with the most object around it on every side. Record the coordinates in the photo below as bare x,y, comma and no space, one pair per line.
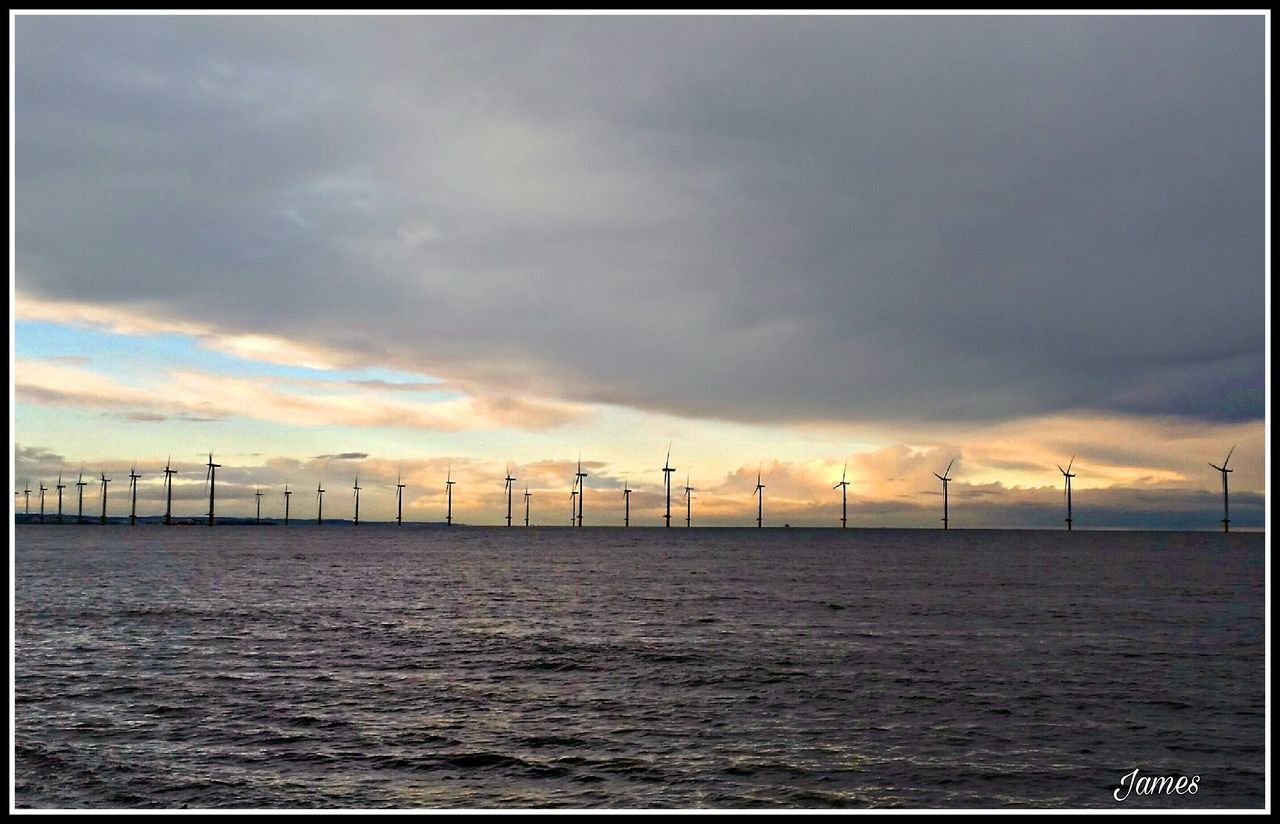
1069,463
947,471
1228,460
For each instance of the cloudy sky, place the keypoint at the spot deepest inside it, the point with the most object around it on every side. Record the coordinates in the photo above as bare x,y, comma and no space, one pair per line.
332,246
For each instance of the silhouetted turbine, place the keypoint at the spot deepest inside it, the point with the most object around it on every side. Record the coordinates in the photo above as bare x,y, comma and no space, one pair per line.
582,489
508,486
26,493
448,488
399,501
667,469
168,491
527,496
133,496
43,489
843,486
356,495
946,481
573,503
319,503
105,481
61,486
760,506
1067,475
626,502
287,493
1226,515
81,483
211,479
257,515
688,503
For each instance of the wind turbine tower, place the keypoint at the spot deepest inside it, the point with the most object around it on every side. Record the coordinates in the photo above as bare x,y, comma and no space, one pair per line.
61,486
626,502
527,496
1067,475
43,489
211,478
287,493
760,504
26,493
105,481
257,515
81,483
448,489
843,486
319,504
688,503
582,489
945,477
1226,517
356,495
667,469
508,486
168,492
399,501
573,502
133,496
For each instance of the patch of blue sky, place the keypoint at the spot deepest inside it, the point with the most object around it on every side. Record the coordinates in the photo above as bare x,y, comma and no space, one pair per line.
90,434
123,355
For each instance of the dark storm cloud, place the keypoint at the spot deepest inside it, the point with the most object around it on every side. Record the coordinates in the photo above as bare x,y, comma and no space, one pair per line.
747,218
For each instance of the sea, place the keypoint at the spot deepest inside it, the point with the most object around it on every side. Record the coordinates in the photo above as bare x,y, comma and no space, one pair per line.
421,667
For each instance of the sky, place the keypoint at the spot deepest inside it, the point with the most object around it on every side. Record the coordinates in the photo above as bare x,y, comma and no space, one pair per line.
799,247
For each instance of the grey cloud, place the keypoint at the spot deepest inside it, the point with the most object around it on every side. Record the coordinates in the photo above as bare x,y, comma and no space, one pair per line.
743,218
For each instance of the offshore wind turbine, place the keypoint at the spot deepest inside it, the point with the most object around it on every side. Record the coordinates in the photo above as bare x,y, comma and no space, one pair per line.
257,515
448,489
760,504
1067,475
80,484
667,469
399,501
26,492
105,481
133,496
946,481
168,491
356,495
287,493
61,486
527,496
211,478
688,502
508,486
319,503
626,502
582,488
43,489
1226,515
573,502
843,486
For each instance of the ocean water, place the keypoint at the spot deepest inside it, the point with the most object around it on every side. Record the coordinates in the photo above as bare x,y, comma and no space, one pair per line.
423,667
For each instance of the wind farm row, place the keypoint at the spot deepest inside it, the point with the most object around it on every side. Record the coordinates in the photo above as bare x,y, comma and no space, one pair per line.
577,496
